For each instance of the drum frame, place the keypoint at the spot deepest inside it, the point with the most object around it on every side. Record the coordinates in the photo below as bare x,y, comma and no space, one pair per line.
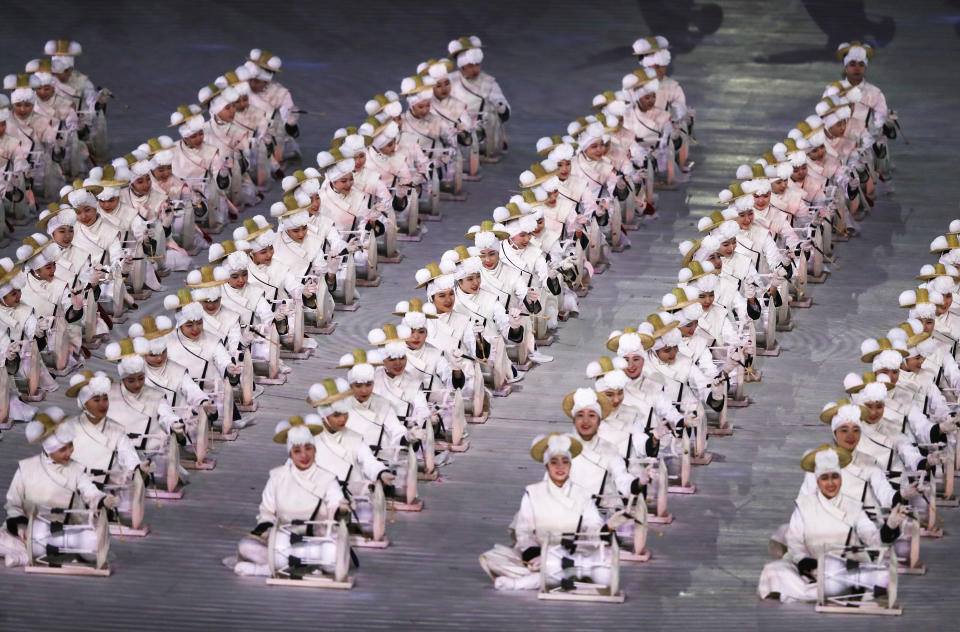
583,592
341,580
843,604
39,565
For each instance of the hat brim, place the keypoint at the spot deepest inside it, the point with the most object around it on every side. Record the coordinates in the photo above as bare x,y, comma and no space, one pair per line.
74,390
659,333
259,231
826,416
203,284
868,357
329,399
538,449
680,305
499,234
42,224
263,66
402,314
614,343
606,406
160,333
8,276
808,462
96,189
281,437
540,180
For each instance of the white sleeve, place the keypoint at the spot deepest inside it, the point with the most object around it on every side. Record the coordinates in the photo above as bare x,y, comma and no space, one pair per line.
127,456
90,492
525,525
666,410
881,487
16,495
191,391
867,531
331,500
496,93
796,546
268,503
369,464
809,485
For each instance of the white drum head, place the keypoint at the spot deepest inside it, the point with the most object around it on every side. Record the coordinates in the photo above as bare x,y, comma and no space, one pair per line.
172,471
411,486
103,539
379,512
137,500
343,553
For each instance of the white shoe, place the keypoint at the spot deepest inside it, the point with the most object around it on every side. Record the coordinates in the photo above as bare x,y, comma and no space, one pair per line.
539,358
516,377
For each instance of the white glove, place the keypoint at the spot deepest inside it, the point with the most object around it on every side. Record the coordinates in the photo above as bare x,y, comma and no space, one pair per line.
729,365
104,95
246,336
948,426
897,515
354,244
934,459
310,288
477,328
111,502
749,291
516,320
532,295
910,491
582,220
148,467
643,477
388,478
333,264
344,506
284,309
717,390
661,431
43,324
13,350
234,369
454,358
177,428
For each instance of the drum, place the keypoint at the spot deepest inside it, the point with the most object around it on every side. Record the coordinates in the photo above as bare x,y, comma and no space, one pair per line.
164,452
409,223
458,419
493,132
473,165
345,292
291,553
74,533
132,494
387,244
138,270
434,207
592,559
61,342
5,420
429,447
843,572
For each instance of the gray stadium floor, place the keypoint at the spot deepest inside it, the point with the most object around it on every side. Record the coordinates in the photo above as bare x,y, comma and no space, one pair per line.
750,81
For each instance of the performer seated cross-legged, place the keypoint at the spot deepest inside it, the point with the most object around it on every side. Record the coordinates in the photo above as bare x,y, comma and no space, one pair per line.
820,522
297,490
102,446
49,480
346,454
551,508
